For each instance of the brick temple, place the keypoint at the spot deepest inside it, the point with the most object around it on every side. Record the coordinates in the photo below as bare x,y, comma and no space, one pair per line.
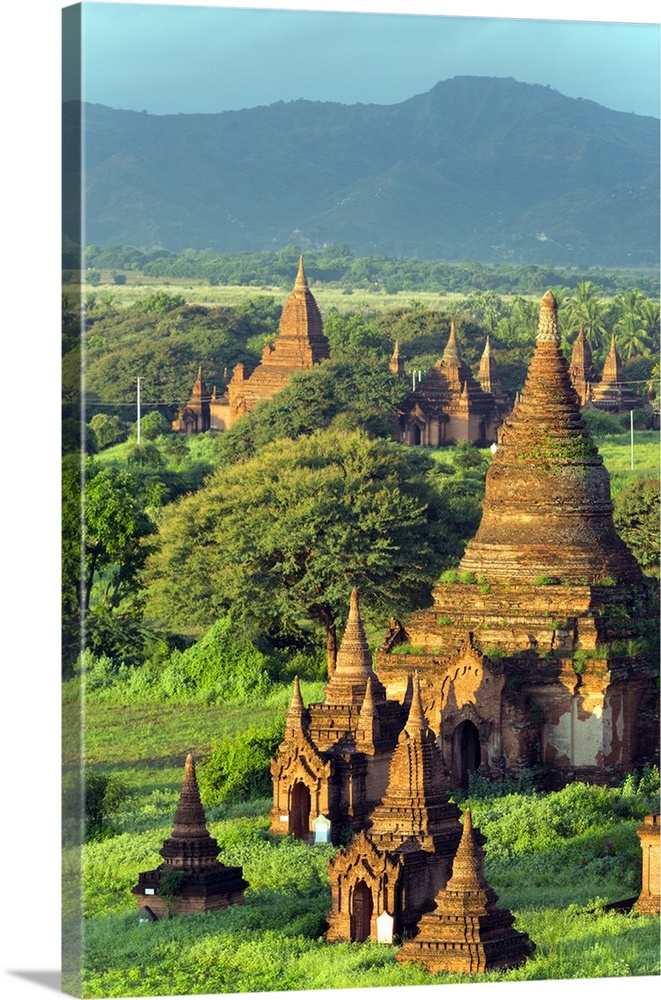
449,404
195,416
609,390
190,853
398,865
300,344
333,761
467,932
531,663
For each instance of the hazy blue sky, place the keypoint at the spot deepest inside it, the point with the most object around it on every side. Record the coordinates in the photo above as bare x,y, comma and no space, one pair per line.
207,59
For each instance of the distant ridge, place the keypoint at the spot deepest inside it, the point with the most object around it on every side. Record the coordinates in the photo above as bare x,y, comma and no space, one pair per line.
477,168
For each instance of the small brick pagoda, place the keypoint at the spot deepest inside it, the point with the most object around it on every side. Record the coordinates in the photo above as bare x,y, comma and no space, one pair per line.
466,932
449,404
648,901
528,661
333,761
582,372
300,344
190,853
195,416
404,858
613,393
609,391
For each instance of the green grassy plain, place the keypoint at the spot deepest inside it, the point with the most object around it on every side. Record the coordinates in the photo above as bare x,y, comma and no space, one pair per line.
327,297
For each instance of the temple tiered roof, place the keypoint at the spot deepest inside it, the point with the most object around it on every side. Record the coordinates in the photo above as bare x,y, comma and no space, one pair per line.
415,812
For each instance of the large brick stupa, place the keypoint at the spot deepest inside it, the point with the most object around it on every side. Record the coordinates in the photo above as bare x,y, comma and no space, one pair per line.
537,657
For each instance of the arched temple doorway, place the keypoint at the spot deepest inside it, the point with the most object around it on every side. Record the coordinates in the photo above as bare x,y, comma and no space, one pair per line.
466,755
416,434
361,911
299,812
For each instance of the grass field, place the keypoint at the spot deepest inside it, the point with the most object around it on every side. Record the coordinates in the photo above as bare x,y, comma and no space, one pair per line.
360,300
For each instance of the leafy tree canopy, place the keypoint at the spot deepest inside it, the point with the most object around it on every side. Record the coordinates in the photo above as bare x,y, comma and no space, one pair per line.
284,536
636,518
355,387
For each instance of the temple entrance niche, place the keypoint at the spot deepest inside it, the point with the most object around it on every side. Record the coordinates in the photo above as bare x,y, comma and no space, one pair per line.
361,912
299,812
416,434
466,753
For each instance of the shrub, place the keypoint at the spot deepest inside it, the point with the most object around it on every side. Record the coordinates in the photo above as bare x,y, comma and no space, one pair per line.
600,423
104,794
239,768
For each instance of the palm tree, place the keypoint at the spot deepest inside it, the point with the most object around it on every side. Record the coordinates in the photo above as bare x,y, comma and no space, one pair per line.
631,327
583,308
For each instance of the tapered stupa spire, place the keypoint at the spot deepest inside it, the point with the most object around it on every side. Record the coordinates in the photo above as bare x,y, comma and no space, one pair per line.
613,371
301,283
189,820
353,668
547,507
396,361
451,352
354,656
416,722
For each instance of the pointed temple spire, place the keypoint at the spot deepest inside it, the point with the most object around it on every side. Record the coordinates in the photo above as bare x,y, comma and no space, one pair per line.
301,283
581,367
206,884
613,371
354,656
547,507
348,684
396,361
466,933
416,722
468,867
451,352
487,374
189,823
416,801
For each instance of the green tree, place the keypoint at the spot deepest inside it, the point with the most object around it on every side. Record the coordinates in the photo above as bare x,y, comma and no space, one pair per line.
636,518
631,328
284,536
108,429
114,529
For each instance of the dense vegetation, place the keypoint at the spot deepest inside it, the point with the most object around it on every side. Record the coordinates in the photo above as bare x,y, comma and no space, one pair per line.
203,596
336,265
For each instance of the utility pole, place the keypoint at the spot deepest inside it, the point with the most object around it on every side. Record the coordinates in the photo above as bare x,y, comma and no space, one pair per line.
631,420
138,408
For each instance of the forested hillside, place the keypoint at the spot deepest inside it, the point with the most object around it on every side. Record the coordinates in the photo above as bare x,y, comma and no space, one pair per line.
479,167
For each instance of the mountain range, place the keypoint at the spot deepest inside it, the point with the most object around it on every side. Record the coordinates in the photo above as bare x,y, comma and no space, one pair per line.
477,168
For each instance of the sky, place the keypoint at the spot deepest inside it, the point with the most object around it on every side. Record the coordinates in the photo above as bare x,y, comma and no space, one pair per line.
172,58
29,500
